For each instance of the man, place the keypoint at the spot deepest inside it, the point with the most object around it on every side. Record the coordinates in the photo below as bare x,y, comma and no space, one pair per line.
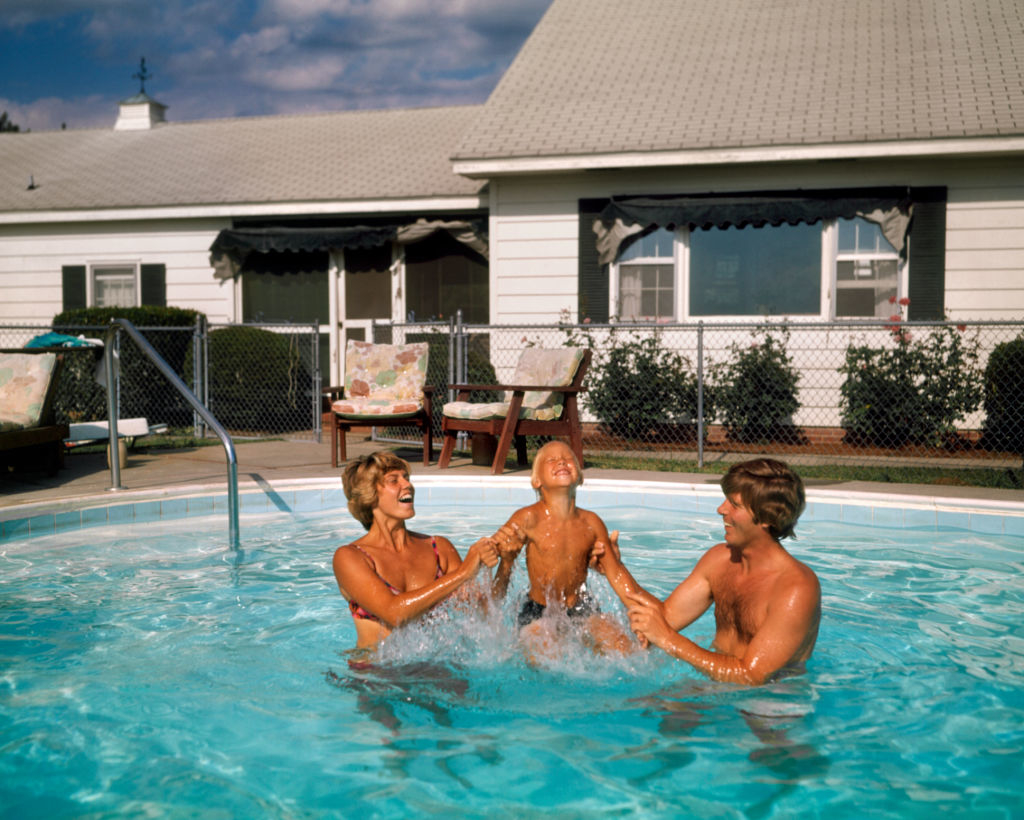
767,603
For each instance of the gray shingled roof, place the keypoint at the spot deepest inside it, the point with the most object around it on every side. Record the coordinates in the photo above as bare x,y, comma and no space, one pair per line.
351,155
607,76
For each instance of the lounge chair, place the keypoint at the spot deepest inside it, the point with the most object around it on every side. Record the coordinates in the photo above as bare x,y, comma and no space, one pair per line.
29,436
540,401
385,386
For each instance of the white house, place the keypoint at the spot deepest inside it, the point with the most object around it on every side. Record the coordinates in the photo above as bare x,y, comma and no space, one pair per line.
788,158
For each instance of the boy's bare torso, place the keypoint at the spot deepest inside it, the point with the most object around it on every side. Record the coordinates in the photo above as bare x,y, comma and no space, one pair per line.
557,551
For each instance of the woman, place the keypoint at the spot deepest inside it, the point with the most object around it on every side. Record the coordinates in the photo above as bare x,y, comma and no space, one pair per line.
392,575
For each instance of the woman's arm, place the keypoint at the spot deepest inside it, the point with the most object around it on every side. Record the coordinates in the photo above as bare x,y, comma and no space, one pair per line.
358,581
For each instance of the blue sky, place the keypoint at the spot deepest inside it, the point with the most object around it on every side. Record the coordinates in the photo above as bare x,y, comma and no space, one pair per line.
71,61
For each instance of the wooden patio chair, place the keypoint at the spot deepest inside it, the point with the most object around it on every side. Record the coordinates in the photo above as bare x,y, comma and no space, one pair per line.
385,386
541,401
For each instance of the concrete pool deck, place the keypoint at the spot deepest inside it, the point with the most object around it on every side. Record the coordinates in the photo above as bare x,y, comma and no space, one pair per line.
263,462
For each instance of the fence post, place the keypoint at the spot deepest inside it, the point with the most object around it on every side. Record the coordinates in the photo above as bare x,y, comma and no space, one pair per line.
199,380
314,358
453,376
700,394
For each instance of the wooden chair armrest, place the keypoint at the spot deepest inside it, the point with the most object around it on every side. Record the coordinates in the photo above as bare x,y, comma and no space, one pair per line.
518,387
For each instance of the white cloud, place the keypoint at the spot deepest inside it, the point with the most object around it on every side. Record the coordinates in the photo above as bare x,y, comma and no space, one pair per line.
48,113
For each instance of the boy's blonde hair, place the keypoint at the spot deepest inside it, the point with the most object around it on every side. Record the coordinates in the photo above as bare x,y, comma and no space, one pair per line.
535,481
772,492
360,479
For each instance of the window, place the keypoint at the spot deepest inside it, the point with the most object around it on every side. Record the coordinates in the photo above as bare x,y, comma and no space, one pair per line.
114,286
867,270
753,272
769,271
443,276
285,287
120,284
645,275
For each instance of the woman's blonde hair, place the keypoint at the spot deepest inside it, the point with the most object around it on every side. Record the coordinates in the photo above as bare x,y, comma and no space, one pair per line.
360,479
772,492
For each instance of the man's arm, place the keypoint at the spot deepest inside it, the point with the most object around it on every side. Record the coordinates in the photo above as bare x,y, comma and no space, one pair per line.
790,626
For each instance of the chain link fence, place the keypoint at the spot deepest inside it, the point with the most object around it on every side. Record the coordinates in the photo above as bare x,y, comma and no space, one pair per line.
258,380
942,393
924,393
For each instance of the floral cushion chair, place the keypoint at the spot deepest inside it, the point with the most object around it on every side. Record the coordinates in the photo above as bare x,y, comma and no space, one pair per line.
28,382
385,385
540,401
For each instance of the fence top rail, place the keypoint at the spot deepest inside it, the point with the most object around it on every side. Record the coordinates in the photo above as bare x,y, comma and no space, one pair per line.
758,325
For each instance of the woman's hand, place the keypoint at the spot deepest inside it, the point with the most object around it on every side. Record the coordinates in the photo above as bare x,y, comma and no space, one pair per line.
483,551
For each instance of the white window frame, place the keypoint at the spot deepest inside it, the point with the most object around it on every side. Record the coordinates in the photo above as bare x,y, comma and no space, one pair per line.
681,260
677,260
90,279
832,230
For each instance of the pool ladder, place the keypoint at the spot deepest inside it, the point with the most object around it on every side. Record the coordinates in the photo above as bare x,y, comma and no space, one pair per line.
190,397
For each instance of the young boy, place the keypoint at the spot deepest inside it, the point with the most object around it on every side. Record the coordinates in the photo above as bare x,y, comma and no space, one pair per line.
561,542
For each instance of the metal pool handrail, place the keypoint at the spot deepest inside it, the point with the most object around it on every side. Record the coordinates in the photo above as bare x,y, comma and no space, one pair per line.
175,380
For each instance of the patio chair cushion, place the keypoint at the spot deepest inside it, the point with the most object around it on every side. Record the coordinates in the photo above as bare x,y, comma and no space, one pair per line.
536,366
383,380
24,382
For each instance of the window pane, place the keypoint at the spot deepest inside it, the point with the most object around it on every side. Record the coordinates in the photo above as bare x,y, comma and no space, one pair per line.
646,292
860,236
114,287
442,276
656,244
864,287
368,283
285,287
767,271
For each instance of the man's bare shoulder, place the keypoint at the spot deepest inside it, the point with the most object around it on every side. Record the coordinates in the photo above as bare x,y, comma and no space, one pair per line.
799,576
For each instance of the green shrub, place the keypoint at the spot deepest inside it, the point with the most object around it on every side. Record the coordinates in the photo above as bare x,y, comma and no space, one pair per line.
1004,397
259,381
638,385
144,389
912,392
756,390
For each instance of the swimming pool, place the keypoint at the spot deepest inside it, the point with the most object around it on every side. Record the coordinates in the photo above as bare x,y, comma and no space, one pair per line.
149,671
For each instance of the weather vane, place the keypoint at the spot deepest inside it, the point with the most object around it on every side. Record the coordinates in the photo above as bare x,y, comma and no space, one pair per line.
142,75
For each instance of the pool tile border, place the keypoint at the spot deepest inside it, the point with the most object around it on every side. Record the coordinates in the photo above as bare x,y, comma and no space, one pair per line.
298,496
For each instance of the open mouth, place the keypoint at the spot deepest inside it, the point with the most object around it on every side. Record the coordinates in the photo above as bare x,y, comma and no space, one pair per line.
405,498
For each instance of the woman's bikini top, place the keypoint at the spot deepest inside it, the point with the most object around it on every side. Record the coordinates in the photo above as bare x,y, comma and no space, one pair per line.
361,614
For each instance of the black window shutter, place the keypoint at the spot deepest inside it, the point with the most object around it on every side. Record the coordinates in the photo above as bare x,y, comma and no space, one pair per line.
154,285
73,286
593,276
927,276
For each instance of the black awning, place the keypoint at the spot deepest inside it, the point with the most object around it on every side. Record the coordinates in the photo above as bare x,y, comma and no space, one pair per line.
233,245
240,241
624,217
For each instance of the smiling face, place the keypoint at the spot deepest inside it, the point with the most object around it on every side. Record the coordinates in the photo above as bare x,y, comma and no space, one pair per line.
395,495
740,528
555,466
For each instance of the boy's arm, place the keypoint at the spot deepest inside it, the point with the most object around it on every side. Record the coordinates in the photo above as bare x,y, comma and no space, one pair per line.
510,538
621,580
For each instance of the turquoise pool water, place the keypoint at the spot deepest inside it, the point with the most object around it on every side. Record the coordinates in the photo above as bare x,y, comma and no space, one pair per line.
146,671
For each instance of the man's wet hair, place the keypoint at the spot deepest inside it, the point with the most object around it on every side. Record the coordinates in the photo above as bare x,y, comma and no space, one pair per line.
772,492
